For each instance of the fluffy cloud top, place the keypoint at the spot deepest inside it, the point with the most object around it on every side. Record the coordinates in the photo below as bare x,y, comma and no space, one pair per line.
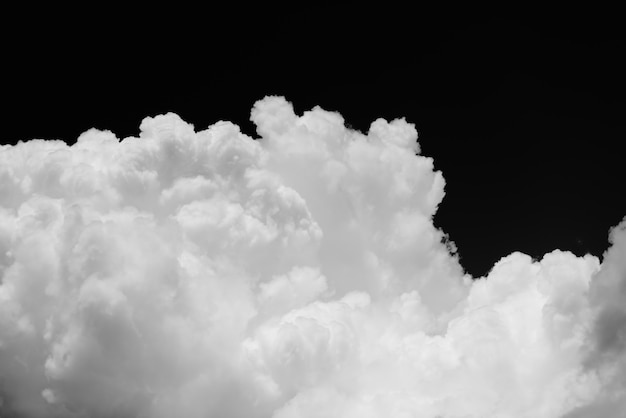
209,274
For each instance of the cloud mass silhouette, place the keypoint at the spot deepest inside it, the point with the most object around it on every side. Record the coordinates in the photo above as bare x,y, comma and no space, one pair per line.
299,274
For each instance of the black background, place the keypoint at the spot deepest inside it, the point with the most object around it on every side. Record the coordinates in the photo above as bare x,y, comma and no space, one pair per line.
522,110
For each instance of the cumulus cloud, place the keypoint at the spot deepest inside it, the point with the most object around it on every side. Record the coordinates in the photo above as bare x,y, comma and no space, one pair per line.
299,274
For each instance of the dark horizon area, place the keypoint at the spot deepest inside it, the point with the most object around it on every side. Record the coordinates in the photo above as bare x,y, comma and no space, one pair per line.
524,117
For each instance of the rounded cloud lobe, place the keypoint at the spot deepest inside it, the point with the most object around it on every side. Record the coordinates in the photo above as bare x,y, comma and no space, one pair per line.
201,274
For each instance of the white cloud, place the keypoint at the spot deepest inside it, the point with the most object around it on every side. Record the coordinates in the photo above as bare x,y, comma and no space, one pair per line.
196,274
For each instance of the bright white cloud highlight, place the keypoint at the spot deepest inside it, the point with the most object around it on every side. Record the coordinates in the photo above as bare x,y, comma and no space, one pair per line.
208,274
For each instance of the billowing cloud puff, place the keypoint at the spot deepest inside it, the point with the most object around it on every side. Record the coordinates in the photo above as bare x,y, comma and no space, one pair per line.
299,274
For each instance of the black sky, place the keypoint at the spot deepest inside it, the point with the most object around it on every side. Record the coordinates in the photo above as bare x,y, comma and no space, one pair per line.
524,114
